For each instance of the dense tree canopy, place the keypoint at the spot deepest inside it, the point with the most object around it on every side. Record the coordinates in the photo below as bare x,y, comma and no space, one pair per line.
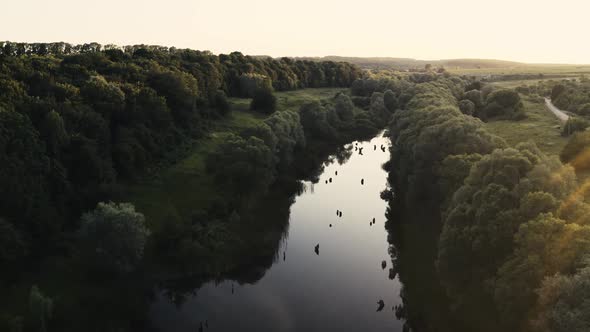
314,119
570,95
431,129
113,237
577,151
564,302
77,120
515,223
287,128
244,165
503,103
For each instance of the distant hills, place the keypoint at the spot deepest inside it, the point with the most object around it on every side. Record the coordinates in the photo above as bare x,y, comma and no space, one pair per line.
409,63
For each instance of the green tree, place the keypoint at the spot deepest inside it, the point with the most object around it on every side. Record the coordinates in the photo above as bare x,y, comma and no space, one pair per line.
55,132
251,83
390,101
286,125
181,92
344,107
503,103
379,112
263,132
453,171
577,151
475,96
40,309
244,166
545,246
573,125
564,302
24,192
315,122
105,97
264,101
557,91
112,237
467,107
504,190
221,103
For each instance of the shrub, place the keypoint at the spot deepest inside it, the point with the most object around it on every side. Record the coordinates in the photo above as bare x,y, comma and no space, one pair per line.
504,104
220,102
475,85
361,102
584,109
475,97
577,151
557,91
264,101
467,107
486,91
574,124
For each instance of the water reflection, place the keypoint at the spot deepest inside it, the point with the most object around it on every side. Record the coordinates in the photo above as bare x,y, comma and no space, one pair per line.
336,290
413,233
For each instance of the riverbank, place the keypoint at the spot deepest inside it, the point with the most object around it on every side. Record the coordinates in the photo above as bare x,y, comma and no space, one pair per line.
178,200
186,186
513,233
296,288
168,201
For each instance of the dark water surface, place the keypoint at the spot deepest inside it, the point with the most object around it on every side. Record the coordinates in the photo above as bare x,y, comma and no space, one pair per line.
335,290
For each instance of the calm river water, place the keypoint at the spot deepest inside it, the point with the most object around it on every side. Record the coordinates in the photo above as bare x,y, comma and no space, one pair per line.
337,289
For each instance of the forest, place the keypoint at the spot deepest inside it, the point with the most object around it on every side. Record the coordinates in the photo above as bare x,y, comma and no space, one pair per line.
514,230
81,123
79,119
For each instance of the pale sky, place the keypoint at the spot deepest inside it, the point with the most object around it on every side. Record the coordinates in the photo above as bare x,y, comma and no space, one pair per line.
522,30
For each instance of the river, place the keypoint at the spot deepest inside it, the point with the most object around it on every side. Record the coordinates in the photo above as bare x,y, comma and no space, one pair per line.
336,288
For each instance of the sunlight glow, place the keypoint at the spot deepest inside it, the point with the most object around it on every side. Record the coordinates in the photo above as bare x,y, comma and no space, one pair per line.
526,30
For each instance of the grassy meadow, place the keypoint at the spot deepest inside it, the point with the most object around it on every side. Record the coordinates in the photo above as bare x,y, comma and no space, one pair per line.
185,186
540,126
542,70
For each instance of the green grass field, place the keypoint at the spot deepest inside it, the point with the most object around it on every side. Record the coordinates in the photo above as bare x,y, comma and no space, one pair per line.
185,186
555,70
540,126
511,84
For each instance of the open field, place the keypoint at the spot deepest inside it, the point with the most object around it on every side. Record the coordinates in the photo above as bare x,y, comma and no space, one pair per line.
525,69
511,84
540,126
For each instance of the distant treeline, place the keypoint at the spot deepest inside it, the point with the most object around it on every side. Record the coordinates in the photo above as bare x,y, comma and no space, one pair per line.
234,73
